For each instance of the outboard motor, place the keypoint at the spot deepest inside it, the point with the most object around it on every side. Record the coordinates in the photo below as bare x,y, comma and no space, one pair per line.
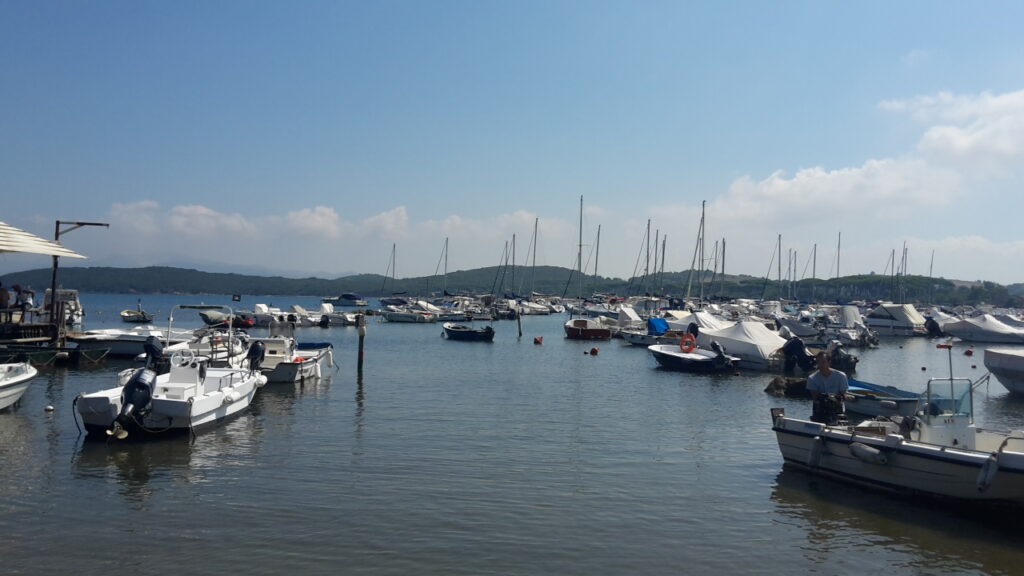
135,401
154,351
828,409
257,352
933,328
721,360
693,329
325,321
840,359
796,354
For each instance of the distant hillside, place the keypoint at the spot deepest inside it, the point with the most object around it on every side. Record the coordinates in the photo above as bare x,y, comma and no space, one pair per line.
544,279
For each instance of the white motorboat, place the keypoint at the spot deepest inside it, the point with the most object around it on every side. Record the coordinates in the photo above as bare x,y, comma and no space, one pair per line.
939,452
1007,365
281,359
346,299
126,342
14,381
692,359
192,395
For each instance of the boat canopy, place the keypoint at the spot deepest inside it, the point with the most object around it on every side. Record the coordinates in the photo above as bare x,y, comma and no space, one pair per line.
750,340
984,328
897,312
656,326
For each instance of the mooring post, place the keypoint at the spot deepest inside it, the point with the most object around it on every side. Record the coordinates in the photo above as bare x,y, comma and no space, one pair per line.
361,325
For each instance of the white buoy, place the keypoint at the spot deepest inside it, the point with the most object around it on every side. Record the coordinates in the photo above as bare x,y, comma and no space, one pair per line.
49,408
988,472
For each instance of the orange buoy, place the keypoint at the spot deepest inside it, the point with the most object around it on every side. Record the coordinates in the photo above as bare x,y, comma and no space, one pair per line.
538,339
593,351
688,343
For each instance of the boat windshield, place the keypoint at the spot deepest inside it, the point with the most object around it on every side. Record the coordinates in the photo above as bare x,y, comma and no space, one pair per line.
950,396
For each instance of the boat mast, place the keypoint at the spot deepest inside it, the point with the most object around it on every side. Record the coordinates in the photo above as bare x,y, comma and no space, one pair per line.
533,274
597,252
444,281
579,258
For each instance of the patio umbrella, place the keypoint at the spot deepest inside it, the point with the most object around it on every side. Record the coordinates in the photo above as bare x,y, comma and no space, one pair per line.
17,240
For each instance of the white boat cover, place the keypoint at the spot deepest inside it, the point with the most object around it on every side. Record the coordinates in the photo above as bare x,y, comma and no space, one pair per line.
628,318
752,341
984,328
17,240
901,313
681,320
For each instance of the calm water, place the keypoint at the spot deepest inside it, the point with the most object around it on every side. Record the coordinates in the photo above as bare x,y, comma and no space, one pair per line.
469,458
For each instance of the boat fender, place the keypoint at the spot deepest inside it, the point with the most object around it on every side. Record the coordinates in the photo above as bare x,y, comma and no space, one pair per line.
988,472
868,454
814,454
232,397
688,343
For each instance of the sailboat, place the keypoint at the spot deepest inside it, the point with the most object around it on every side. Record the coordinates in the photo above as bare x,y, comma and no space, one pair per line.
585,328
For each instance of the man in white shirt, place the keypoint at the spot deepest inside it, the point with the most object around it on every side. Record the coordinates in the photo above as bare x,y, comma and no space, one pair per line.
826,382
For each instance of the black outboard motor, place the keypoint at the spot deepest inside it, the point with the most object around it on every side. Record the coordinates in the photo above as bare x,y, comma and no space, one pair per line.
796,354
721,360
933,328
828,409
154,351
135,401
693,329
257,352
325,321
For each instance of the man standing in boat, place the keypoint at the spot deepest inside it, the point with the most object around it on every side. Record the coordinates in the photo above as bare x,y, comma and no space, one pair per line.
827,388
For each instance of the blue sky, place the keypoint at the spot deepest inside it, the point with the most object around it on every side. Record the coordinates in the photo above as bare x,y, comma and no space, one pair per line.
307,138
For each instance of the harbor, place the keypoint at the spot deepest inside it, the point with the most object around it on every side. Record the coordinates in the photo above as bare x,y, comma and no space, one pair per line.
508,457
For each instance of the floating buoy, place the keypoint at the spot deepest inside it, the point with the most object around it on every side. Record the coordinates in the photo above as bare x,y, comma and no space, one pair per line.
593,351
969,351
923,368
49,408
538,339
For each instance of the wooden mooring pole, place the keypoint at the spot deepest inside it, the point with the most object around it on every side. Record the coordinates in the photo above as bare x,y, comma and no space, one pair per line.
361,325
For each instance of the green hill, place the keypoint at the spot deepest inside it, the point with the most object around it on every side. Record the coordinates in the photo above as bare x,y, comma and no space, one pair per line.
551,280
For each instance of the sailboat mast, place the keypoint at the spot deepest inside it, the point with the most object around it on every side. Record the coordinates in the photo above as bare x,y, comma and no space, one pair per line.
533,275
579,255
444,281
701,232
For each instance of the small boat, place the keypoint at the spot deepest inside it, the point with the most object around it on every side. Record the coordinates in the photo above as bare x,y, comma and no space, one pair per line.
192,395
14,381
281,359
587,329
938,452
869,399
346,299
1007,365
137,316
453,331
700,360
125,342
219,318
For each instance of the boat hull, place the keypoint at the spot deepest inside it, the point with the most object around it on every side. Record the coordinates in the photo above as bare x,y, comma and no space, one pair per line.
586,329
181,401
467,334
14,381
698,361
906,466
1007,365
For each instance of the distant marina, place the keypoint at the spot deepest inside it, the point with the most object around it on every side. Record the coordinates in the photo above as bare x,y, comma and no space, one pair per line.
456,457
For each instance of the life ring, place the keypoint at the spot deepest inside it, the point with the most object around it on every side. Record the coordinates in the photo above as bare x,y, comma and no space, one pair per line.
688,343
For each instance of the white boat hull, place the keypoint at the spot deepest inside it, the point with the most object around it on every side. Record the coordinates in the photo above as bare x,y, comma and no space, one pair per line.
1007,365
895,463
14,381
183,399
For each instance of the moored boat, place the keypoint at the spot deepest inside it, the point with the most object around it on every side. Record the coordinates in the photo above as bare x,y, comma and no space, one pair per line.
192,395
938,452
14,381
700,360
1007,365
587,329
453,331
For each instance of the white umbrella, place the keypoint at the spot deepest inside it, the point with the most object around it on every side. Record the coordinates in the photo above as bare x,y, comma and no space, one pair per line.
17,240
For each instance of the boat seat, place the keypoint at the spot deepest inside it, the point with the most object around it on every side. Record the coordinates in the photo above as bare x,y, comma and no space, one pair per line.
176,390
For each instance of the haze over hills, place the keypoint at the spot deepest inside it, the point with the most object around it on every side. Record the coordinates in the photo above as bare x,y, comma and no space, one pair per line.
521,281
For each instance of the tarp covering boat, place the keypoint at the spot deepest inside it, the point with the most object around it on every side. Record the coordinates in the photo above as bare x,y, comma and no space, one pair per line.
752,341
984,328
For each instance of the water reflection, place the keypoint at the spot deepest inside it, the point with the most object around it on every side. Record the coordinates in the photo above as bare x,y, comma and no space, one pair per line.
902,531
142,469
